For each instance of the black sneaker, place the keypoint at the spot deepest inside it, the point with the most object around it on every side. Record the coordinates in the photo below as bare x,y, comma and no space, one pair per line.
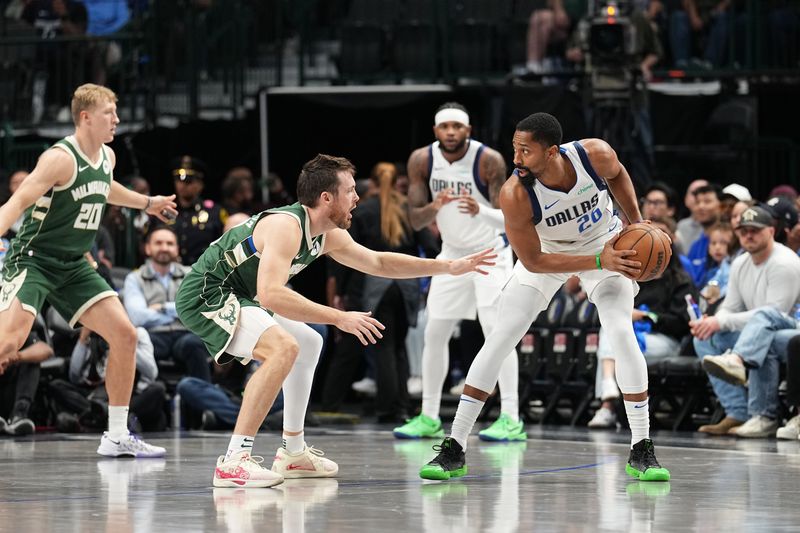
21,426
448,464
643,465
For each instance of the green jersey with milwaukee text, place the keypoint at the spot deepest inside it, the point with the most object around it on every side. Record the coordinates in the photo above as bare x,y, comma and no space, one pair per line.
232,260
63,222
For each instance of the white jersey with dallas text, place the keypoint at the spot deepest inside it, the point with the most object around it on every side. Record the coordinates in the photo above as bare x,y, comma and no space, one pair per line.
580,219
460,230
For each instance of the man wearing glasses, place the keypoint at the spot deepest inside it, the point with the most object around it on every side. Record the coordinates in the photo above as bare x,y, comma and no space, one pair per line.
199,221
763,288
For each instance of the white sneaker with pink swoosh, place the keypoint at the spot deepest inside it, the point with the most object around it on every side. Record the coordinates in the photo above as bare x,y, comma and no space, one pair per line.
244,470
308,463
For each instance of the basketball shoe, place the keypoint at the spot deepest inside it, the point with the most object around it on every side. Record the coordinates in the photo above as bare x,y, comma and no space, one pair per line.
244,470
420,427
643,465
504,429
308,463
129,445
450,463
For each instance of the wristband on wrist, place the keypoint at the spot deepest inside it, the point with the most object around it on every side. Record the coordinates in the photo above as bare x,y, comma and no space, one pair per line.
597,262
149,203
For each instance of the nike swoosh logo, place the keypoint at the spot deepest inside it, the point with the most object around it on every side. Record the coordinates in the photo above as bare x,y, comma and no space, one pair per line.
639,406
81,169
546,207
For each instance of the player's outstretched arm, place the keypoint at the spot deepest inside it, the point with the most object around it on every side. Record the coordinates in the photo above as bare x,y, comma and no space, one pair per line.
341,247
278,237
162,207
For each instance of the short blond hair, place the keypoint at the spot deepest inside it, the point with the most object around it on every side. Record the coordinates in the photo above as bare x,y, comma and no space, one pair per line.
87,96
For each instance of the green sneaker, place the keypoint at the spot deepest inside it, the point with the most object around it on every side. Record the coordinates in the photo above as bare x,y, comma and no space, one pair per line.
420,427
643,465
504,429
450,463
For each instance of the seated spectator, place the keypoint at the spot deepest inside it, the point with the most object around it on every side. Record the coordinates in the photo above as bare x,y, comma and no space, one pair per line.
767,274
238,191
216,404
18,386
551,24
760,348
707,212
730,196
785,216
150,301
722,247
278,195
82,403
791,431
660,322
127,227
659,201
689,228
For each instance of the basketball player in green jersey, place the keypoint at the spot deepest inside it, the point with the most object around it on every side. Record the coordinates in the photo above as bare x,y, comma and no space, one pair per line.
63,200
236,299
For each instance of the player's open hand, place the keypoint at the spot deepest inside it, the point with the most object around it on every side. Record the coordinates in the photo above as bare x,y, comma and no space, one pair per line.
163,208
468,205
473,263
362,325
620,260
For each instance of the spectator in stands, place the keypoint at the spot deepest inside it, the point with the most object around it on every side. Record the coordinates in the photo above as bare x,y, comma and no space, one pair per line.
689,229
768,274
150,302
199,222
18,386
216,404
785,217
82,403
551,24
707,208
730,196
127,228
791,431
760,348
278,195
14,180
237,191
659,201
786,191
722,247
660,322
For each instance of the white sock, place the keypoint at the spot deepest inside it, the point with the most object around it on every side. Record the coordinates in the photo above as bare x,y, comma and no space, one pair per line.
240,443
117,421
468,410
294,444
639,420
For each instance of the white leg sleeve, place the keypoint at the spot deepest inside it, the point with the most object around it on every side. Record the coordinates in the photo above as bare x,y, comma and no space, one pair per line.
614,300
435,362
297,385
518,308
509,371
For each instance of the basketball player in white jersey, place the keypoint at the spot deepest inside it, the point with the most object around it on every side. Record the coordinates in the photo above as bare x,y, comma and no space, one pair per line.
559,219
464,178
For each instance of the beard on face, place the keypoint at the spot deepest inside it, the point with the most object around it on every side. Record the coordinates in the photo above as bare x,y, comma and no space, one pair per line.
458,147
529,178
163,258
339,217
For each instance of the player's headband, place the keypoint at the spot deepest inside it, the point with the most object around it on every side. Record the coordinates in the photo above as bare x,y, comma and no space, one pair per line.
451,115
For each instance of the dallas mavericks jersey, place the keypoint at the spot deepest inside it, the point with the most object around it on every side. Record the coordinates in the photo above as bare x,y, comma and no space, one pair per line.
574,219
232,260
460,230
64,221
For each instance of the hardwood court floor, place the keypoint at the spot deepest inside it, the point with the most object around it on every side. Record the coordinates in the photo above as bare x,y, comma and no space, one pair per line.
560,480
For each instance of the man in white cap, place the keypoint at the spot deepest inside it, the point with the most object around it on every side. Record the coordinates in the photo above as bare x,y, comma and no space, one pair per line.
740,192
464,178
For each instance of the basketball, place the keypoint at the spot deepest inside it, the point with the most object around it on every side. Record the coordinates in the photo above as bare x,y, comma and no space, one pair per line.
652,247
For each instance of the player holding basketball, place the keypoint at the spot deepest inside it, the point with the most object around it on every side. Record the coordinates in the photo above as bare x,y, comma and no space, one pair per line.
559,219
66,194
464,177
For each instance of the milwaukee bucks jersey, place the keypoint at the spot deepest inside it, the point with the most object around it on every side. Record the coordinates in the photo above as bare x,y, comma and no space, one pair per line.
63,222
232,260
